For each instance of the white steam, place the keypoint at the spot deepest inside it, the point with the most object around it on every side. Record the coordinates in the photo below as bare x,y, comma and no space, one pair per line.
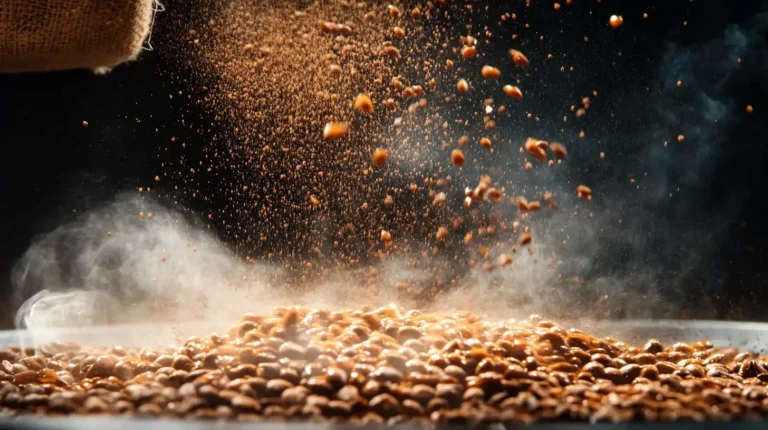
113,266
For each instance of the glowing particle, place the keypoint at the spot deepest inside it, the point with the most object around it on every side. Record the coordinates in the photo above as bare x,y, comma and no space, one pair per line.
504,260
584,192
439,199
379,157
559,150
457,157
364,104
491,72
334,130
533,148
518,57
495,194
390,51
513,92
522,204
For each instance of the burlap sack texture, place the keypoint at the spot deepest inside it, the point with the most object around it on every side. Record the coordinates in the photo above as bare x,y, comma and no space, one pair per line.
42,35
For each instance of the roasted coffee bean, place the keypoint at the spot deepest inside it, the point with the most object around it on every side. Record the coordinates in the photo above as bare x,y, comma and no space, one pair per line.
270,370
653,346
250,356
650,372
385,405
750,369
337,408
59,402
319,385
294,395
348,393
182,362
26,377
243,371
452,393
292,351
387,374
665,367
630,372
474,394
275,387
412,408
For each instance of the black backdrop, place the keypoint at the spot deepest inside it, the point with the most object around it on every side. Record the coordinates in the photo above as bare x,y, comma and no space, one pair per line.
52,166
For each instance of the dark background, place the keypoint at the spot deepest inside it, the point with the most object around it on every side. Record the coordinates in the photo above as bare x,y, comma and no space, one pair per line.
51,167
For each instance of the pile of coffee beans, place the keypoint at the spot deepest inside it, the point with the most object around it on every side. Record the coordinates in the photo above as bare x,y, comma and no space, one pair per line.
390,366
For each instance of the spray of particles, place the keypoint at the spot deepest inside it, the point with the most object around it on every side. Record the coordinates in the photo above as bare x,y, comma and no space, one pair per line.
353,132
436,154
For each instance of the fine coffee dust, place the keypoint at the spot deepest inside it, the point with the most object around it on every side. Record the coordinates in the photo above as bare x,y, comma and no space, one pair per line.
346,133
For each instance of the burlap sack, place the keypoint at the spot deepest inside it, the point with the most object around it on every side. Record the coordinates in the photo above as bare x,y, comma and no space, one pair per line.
40,35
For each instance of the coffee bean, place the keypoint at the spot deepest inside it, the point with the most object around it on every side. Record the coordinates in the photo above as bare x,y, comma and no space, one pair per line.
385,405
653,346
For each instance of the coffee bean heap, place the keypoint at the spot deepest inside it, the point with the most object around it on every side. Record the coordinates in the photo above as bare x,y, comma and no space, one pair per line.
388,366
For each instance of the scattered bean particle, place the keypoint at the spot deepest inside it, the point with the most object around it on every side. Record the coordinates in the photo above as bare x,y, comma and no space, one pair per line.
513,92
364,104
457,157
334,130
518,58
584,192
380,157
489,72
468,51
